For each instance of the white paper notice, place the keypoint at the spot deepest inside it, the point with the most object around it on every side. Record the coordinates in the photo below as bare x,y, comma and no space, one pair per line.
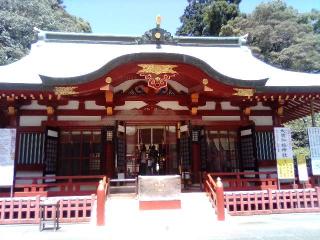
302,167
314,144
7,155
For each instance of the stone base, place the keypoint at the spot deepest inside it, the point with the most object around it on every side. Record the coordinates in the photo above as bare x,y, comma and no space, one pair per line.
159,205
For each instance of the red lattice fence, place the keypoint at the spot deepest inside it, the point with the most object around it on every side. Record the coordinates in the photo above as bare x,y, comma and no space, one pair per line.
26,210
273,201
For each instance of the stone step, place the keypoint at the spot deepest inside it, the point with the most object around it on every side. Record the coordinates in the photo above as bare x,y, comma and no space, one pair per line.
122,195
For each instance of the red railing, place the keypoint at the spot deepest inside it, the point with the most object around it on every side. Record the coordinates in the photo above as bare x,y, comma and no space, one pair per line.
215,193
26,210
273,201
56,186
244,181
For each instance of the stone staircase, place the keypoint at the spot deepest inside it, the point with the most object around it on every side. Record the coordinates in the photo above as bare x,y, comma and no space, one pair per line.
123,216
122,188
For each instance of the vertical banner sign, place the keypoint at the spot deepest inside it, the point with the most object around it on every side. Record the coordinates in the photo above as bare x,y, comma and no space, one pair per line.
314,144
284,154
7,155
302,167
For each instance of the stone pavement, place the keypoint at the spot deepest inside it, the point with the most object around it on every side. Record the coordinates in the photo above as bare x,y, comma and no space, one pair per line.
196,220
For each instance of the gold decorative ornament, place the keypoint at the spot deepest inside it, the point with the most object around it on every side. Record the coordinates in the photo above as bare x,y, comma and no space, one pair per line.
195,97
109,111
280,111
65,91
243,92
156,69
194,111
205,81
247,111
11,111
108,80
50,110
157,35
157,75
208,89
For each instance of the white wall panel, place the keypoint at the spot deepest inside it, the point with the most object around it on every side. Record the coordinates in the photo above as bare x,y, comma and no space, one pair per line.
79,118
227,106
91,105
32,121
262,120
174,105
210,105
221,118
71,105
34,106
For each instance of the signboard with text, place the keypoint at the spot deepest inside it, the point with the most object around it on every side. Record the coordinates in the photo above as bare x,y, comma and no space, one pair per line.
314,144
7,155
302,167
284,154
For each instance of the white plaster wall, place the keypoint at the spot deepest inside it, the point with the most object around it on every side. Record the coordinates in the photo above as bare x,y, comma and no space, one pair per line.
71,105
210,105
32,121
178,86
221,118
93,106
79,118
174,105
262,120
259,106
126,85
227,106
34,106
28,174
129,105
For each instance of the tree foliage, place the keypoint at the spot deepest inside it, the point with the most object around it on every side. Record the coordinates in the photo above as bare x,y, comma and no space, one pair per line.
18,18
280,35
206,17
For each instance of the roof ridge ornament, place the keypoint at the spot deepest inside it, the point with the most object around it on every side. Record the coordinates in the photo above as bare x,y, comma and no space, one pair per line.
156,35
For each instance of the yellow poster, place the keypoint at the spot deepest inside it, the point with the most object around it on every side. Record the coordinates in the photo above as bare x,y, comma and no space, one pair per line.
285,168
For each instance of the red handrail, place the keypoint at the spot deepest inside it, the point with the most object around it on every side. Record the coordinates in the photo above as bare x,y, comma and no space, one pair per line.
216,195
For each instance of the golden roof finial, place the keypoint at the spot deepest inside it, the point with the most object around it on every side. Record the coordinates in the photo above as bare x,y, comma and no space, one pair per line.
158,20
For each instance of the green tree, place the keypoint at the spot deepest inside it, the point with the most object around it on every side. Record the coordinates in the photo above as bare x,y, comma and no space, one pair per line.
280,35
206,17
18,18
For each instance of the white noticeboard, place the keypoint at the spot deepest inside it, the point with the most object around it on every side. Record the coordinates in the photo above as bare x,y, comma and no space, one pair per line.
7,155
314,144
284,154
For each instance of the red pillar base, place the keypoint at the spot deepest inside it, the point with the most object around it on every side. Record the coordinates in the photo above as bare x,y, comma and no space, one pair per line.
159,205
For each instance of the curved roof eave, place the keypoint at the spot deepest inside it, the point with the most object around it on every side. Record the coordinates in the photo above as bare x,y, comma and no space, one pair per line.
147,56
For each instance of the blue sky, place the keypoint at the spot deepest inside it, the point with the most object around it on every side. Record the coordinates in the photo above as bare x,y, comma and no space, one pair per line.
134,17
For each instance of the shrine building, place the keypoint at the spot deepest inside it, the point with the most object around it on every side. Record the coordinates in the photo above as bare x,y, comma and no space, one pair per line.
84,104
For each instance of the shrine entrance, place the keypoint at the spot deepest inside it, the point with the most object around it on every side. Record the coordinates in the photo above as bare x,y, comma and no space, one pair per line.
151,150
